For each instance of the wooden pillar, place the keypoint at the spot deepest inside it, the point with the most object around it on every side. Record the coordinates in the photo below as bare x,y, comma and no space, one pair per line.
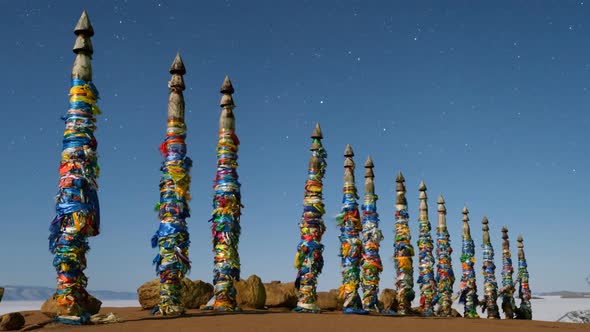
351,248
172,237
507,290
77,206
227,206
525,310
371,236
404,251
309,260
445,278
490,286
425,258
468,288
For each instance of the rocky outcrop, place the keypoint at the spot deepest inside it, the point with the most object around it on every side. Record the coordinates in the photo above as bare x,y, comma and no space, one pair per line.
51,309
194,293
12,321
279,295
251,293
330,300
389,299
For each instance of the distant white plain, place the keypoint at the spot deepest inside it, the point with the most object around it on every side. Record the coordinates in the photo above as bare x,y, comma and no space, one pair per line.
550,308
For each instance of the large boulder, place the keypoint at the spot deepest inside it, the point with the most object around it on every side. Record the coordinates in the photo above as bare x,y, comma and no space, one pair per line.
12,321
330,300
194,293
279,295
51,309
389,299
250,293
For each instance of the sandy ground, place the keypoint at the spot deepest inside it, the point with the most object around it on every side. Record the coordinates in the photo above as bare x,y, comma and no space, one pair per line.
135,319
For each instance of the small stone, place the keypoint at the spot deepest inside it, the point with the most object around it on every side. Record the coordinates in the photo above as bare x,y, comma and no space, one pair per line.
51,309
250,293
12,321
389,299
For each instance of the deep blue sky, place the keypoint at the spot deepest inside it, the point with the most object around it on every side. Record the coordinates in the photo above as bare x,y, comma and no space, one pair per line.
488,103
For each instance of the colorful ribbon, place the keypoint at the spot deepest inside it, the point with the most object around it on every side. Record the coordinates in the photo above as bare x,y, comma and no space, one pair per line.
507,290
404,251
172,237
445,277
428,296
468,288
490,295
77,208
309,260
525,310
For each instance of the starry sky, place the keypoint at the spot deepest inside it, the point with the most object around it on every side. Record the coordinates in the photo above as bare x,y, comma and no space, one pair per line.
486,102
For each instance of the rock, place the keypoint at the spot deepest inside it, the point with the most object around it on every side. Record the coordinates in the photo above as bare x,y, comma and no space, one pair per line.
12,321
1,293
51,309
194,293
250,293
389,299
330,300
280,295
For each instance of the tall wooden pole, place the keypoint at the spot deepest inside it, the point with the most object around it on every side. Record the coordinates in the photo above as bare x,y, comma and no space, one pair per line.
77,208
309,260
172,237
227,206
404,251
445,278
468,288
507,290
425,258
351,248
525,310
371,236
490,286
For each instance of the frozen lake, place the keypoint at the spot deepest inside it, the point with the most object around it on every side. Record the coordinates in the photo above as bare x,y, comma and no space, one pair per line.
550,308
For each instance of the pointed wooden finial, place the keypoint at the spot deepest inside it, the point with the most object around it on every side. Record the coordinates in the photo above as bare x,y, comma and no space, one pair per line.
227,120
400,177
505,242
348,164
369,176
369,168
82,68
177,66
348,151
226,86
317,132
84,26
227,90
369,162
401,202
442,214
466,230
177,70
486,229
465,214
423,205
520,247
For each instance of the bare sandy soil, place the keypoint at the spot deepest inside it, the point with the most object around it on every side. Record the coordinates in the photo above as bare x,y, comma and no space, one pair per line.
135,319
